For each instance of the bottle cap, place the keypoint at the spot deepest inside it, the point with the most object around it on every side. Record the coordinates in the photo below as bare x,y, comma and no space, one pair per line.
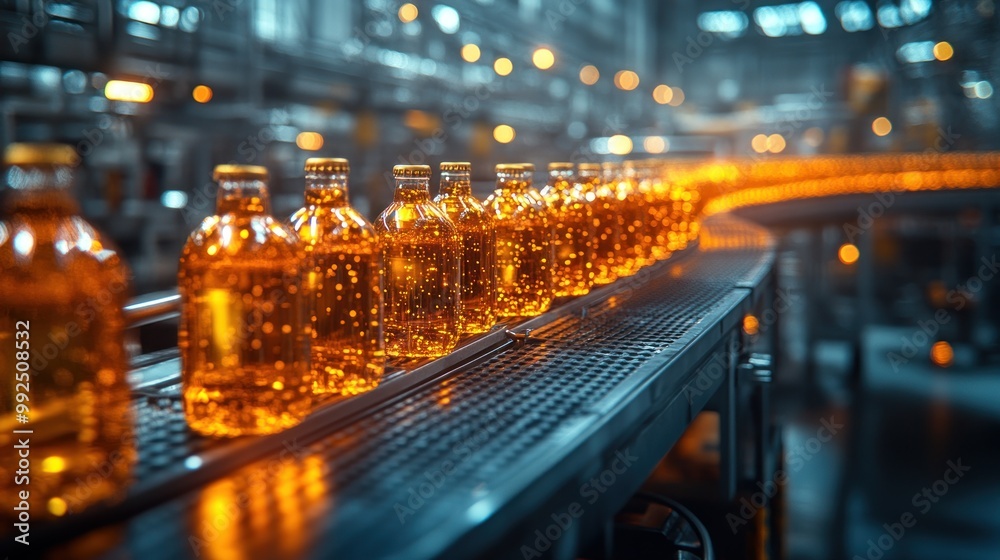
237,172
527,166
588,166
24,153
417,171
510,168
561,166
456,167
327,165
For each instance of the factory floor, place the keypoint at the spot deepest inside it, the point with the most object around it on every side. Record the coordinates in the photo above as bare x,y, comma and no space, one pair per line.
915,474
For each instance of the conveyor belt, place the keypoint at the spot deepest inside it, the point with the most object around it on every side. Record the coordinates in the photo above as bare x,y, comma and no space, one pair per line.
458,455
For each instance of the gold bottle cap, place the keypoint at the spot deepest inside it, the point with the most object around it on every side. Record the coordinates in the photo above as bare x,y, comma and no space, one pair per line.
327,165
416,171
230,171
456,167
510,168
561,166
25,153
588,166
527,166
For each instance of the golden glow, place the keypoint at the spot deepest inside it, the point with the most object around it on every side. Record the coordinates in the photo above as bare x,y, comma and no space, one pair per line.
57,507
663,94
589,75
654,144
504,133
943,51
407,13
470,52
942,354
881,126
311,141
543,58
759,143
626,80
202,93
775,143
503,66
678,97
755,183
848,253
751,325
523,244
53,464
620,145
121,90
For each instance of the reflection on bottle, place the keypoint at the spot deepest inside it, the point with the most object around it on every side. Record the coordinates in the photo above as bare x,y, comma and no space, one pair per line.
343,274
244,335
421,250
572,219
62,351
523,244
475,226
604,206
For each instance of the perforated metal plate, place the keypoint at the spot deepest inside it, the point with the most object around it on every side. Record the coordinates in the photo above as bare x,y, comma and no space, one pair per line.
417,472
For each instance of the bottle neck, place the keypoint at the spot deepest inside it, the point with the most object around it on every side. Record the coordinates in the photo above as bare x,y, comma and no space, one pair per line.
513,182
412,189
326,189
561,177
242,196
456,184
47,188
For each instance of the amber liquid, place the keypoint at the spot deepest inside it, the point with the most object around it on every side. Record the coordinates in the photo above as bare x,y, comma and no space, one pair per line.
343,276
523,253
61,296
421,251
607,240
573,225
244,332
478,260
632,214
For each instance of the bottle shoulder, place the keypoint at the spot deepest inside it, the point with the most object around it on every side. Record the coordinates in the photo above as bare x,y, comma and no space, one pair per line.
231,236
313,224
63,252
423,216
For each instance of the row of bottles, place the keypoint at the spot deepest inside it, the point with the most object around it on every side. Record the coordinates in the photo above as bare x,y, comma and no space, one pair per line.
275,315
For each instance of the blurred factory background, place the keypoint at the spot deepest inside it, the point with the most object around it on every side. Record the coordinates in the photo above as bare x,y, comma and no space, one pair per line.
382,82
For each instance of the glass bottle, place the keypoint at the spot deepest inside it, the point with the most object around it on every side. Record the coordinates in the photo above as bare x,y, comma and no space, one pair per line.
421,251
607,234
637,212
623,192
536,196
523,245
475,226
573,222
62,350
244,333
343,275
